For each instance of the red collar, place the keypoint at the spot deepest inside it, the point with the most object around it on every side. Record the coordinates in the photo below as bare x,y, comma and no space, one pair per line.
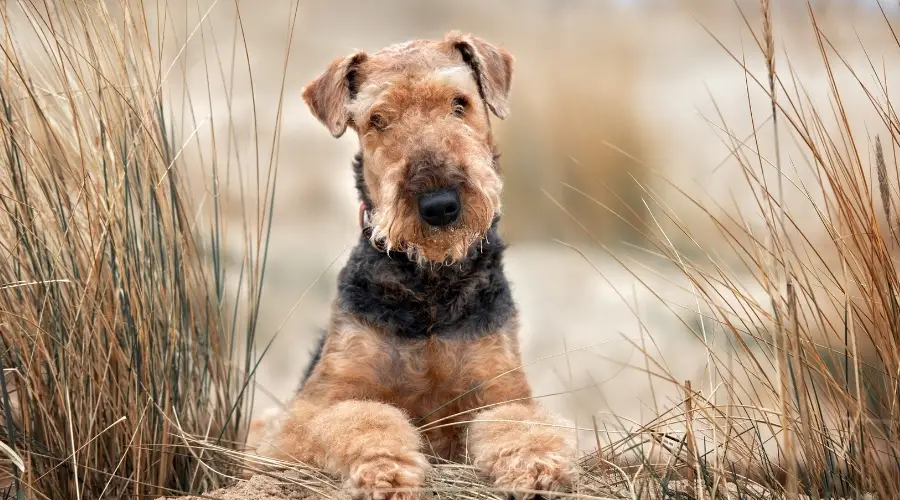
365,220
365,225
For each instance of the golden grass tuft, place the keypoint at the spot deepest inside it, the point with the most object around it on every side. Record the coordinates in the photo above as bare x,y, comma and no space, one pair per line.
805,401
117,324
800,397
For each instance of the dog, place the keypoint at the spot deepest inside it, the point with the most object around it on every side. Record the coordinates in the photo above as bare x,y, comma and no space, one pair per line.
421,356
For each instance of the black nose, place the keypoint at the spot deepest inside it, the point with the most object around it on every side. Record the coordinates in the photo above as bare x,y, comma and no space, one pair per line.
439,208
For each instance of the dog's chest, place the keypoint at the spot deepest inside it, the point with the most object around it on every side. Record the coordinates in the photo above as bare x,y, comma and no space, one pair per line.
430,377
436,383
440,382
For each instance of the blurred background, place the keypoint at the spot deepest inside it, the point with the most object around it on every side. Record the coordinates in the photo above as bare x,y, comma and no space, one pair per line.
622,111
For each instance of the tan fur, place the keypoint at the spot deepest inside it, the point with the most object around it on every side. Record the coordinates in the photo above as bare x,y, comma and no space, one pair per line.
375,405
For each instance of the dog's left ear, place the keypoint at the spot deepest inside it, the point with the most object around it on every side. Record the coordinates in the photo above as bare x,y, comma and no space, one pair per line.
492,67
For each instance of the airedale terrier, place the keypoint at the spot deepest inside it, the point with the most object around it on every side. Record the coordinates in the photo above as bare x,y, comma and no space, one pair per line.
421,356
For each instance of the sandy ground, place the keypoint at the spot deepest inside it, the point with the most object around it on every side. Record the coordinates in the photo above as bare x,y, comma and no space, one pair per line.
291,487
265,488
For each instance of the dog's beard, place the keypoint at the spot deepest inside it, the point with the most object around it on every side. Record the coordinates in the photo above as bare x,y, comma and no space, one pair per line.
426,246
396,226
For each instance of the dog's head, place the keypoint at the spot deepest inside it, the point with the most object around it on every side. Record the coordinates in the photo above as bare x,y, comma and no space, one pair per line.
422,113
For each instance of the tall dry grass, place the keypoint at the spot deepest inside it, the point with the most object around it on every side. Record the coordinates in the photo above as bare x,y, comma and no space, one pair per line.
805,401
124,333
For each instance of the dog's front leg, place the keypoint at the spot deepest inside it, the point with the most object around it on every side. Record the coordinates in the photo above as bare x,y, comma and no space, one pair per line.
371,445
523,447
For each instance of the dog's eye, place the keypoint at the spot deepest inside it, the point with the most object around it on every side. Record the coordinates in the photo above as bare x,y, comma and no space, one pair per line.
460,104
378,122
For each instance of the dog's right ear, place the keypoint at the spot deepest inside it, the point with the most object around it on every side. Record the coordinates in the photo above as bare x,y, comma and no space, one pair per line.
493,67
330,93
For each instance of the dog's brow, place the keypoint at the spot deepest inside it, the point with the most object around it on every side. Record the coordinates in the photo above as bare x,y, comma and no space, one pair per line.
457,76
368,96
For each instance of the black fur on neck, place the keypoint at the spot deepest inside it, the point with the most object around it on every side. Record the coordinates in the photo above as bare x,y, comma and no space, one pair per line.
469,298
360,181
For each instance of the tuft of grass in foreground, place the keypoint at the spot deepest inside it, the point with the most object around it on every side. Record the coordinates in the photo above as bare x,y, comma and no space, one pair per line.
118,334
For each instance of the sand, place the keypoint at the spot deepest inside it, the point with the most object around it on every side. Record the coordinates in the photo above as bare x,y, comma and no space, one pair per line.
455,481
271,488
289,488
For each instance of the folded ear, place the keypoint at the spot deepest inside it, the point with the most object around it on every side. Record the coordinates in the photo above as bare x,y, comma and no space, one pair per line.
492,67
329,94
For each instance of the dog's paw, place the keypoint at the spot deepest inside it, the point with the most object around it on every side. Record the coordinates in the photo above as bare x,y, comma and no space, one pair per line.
373,479
523,476
523,447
